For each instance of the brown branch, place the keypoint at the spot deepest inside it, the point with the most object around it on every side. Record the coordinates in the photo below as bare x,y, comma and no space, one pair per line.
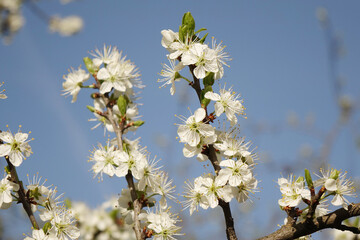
331,220
21,193
229,221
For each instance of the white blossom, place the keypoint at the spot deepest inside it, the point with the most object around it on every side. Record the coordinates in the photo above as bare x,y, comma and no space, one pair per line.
73,82
195,196
236,172
227,102
170,75
63,225
16,147
106,160
203,57
66,26
109,55
6,187
292,191
163,225
221,58
194,128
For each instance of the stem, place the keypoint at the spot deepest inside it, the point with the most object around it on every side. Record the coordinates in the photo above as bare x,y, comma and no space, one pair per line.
118,129
21,192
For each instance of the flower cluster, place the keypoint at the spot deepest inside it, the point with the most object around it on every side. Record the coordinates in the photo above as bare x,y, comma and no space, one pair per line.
233,176
52,210
11,18
332,183
115,108
103,222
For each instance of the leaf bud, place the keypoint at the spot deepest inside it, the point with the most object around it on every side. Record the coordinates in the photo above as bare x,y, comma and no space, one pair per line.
122,103
138,123
89,65
308,179
91,108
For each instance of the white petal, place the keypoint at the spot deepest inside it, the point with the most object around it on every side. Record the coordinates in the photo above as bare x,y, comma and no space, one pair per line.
15,158
21,137
6,137
199,114
330,184
103,74
212,96
4,149
106,87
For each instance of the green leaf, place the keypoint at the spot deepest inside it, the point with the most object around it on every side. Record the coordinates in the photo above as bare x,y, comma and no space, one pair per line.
209,79
200,30
138,123
308,179
202,40
89,65
47,226
91,108
122,103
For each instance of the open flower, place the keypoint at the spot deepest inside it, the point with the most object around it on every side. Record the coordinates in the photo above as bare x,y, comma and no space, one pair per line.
194,128
227,102
292,191
73,82
170,74
16,147
203,57
6,187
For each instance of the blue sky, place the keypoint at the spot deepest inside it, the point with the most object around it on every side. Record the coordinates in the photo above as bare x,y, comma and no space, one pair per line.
280,64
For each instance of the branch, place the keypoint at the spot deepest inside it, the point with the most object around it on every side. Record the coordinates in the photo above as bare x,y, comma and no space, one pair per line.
140,235
331,220
229,221
21,192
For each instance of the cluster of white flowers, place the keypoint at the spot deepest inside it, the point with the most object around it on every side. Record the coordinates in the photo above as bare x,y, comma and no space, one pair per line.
331,182
104,222
115,108
234,176
11,18
52,210
162,223
191,51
